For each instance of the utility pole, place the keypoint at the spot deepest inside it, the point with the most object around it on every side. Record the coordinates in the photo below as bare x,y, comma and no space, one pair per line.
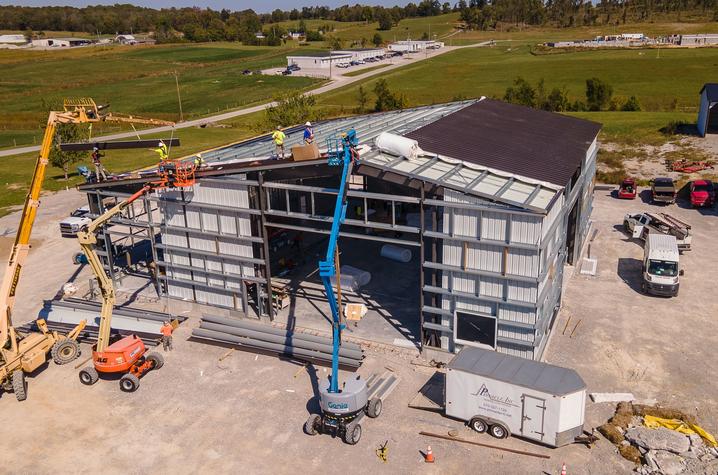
179,98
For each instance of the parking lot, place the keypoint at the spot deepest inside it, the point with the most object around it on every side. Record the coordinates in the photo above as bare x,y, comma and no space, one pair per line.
213,410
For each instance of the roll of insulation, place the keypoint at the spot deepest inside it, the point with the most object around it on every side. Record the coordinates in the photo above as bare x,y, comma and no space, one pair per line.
361,276
398,145
395,253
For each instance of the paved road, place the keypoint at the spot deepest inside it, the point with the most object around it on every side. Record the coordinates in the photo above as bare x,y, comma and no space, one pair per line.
337,82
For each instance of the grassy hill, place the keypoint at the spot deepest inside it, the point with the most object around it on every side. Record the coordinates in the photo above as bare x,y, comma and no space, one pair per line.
138,80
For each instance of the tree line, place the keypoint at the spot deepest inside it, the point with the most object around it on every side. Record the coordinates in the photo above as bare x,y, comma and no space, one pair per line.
491,14
200,24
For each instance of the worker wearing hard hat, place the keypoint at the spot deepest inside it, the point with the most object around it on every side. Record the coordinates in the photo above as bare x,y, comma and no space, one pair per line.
278,137
163,151
308,133
100,174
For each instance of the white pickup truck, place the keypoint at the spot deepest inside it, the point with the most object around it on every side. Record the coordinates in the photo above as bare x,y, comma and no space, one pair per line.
639,225
75,222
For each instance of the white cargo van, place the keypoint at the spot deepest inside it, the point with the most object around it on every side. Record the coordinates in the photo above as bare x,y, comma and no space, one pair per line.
661,270
504,394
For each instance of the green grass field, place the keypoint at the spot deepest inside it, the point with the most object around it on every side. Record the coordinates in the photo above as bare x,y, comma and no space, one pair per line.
414,28
677,74
359,72
136,80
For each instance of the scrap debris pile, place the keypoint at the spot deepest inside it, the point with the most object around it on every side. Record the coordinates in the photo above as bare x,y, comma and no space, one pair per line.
661,440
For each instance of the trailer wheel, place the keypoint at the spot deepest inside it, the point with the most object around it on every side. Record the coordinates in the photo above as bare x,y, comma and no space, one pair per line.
352,434
129,383
156,359
374,407
499,431
65,351
88,376
626,227
478,425
19,387
311,427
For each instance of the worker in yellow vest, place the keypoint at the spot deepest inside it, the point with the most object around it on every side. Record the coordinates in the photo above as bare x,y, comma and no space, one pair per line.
163,151
278,137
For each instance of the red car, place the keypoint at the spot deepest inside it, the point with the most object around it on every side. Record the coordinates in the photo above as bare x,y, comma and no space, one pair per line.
627,190
702,193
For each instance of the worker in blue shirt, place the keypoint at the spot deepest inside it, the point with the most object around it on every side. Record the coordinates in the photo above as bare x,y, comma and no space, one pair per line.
308,133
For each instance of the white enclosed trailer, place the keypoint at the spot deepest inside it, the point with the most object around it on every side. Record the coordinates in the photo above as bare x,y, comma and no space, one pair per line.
505,395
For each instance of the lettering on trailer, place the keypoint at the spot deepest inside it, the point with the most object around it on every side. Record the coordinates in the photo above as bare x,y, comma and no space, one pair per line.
497,405
15,279
134,352
338,405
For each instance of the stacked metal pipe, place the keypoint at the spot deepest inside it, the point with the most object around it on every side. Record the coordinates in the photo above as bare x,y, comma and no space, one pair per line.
255,336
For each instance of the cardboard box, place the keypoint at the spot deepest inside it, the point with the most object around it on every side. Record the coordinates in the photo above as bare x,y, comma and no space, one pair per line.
305,152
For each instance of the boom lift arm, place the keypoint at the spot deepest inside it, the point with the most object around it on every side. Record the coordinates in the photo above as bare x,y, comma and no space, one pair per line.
88,240
328,267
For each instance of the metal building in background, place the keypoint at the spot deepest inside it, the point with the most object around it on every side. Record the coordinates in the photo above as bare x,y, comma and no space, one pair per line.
496,206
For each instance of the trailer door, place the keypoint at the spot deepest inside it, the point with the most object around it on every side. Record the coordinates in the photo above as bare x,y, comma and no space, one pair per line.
533,414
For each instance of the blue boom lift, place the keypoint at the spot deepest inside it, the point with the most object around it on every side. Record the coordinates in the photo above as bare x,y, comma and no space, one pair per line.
342,407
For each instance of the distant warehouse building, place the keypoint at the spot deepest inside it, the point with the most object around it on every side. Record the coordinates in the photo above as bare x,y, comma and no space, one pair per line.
708,111
13,39
699,40
363,53
318,60
486,216
412,46
61,42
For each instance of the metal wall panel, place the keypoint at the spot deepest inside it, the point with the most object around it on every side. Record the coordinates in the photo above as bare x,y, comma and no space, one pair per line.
525,229
523,262
493,225
522,334
522,291
512,313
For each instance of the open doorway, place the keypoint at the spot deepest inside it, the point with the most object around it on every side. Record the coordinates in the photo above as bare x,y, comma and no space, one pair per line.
388,288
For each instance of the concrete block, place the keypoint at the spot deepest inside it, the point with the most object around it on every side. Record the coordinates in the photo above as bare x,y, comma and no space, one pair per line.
658,439
611,397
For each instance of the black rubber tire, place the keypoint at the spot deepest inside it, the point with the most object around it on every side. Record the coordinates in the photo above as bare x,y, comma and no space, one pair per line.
499,431
88,376
157,360
64,351
626,227
311,427
373,409
129,383
352,435
479,425
19,387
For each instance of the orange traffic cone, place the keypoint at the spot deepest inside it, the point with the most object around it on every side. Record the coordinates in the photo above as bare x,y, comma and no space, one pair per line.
429,457
563,469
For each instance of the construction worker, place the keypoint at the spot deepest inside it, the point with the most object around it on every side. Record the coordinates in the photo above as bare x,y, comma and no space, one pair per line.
166,332
198,160
100,174
278,137
163,151
308,133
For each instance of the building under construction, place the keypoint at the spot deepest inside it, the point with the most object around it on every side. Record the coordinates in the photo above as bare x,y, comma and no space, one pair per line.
491,212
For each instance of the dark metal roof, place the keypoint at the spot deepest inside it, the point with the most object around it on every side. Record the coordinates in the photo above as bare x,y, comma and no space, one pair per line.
528,142
514,370
711,89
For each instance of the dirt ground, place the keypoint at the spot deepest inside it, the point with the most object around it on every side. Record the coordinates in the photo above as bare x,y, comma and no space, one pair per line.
244,414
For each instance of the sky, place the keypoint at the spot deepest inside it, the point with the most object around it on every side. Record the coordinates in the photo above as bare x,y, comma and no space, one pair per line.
260,6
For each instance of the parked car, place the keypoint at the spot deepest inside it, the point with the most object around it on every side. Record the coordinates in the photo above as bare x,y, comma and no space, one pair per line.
287,72
77,220
627,190
354,63
702,193
370,60
343,65
294,67
663,190
246,72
